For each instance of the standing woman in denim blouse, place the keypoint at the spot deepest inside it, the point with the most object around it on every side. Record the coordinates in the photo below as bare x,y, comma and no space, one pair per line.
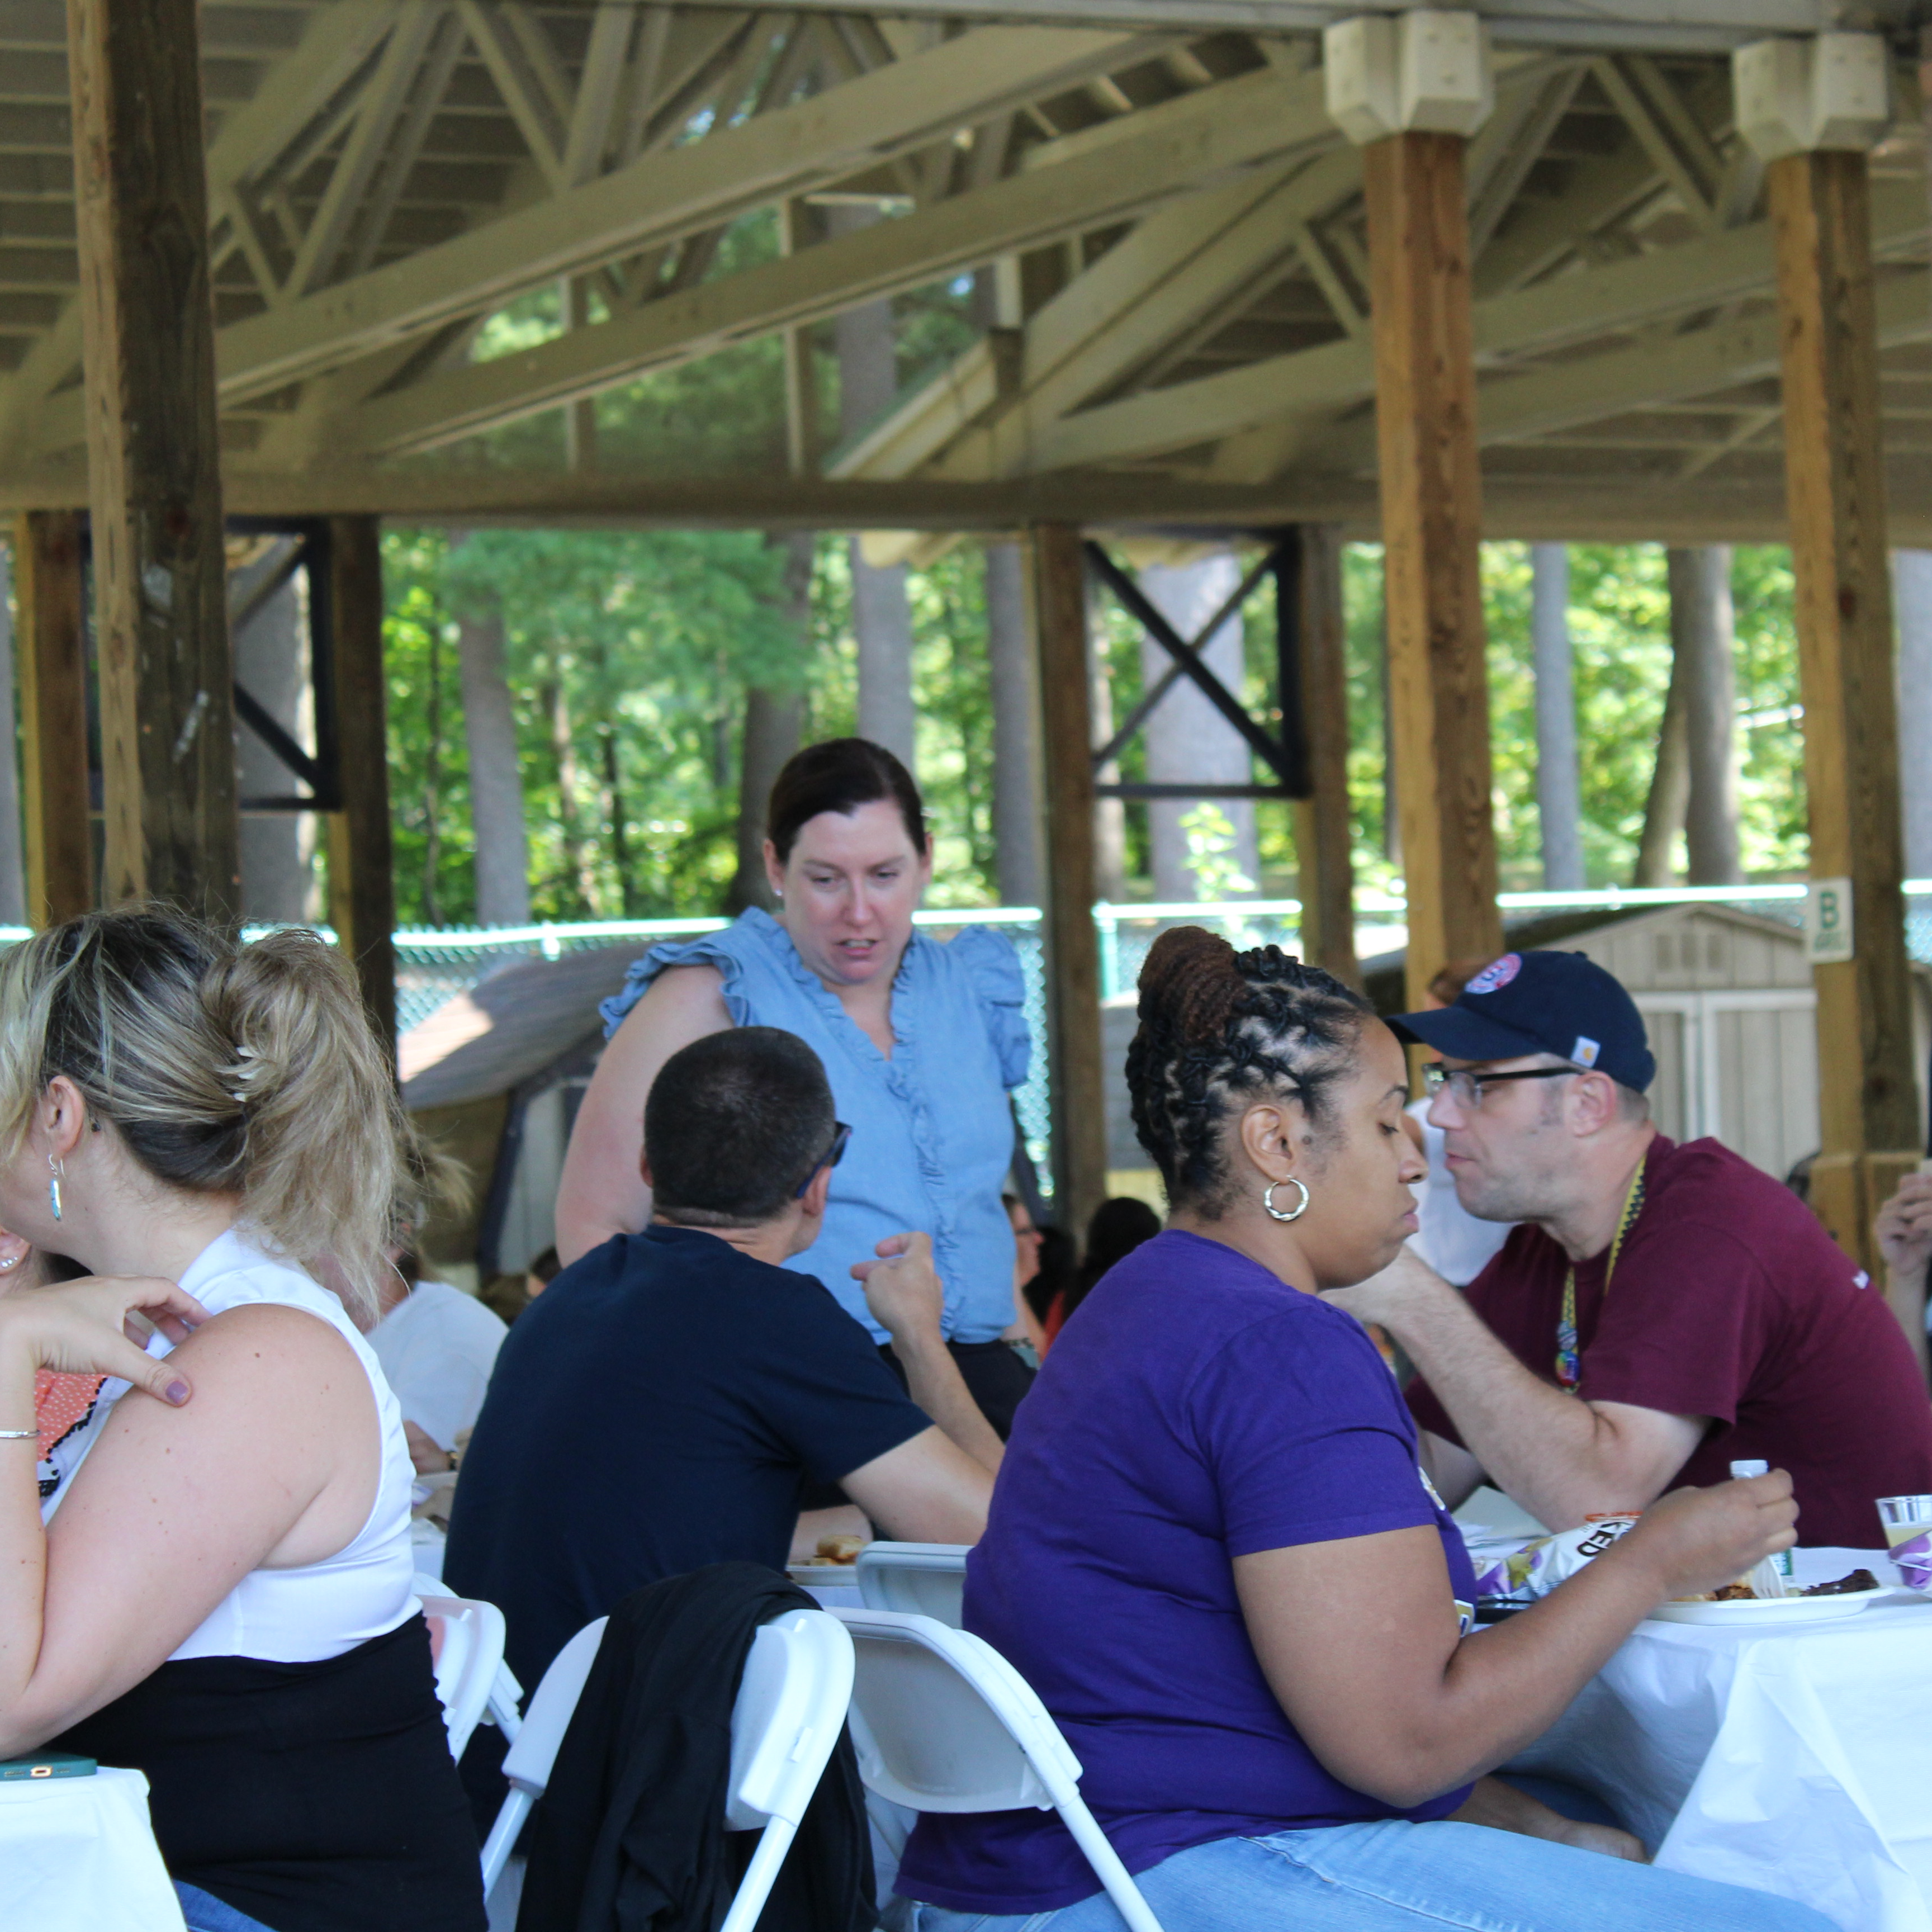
921,1041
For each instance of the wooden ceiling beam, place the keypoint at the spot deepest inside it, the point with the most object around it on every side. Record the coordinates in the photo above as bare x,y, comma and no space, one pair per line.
1025,211
1317,382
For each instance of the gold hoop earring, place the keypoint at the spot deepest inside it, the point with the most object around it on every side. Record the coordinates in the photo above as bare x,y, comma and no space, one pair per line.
1300,1206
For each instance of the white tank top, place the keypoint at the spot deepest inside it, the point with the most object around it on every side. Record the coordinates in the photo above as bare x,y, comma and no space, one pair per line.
320,1611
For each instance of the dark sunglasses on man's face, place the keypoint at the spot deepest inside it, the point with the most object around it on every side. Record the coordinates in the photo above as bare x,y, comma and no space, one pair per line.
832,1157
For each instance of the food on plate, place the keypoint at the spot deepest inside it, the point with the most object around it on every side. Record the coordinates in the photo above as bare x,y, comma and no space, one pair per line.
1741,1592
1859,1579
839,1549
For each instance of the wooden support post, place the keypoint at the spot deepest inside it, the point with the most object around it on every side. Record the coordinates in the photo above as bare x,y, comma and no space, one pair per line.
1834,472
167,726
1059,604
1432,525
1322,822
50,650
361,879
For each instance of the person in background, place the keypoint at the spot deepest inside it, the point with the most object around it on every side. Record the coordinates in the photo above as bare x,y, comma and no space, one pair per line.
1452,1240
436,1346
1027,1327
662,1406
1664,1310
1059,1267
220,1596
922,1042
1118,1227
1212,1556
1904,1232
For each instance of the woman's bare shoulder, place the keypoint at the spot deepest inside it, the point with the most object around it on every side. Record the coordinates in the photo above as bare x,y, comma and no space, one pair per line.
690,996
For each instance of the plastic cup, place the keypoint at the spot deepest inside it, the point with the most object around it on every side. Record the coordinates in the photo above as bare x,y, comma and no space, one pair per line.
1907,1521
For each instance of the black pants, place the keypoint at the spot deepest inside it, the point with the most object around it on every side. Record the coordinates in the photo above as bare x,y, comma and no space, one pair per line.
995,1378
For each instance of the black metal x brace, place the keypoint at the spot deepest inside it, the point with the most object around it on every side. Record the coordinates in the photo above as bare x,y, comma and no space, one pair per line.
323,773
1286,756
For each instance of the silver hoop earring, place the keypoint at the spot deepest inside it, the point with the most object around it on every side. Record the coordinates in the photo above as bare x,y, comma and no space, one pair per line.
1300,1207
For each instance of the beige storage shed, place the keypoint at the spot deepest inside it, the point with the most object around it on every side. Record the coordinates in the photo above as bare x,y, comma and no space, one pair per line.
1726,997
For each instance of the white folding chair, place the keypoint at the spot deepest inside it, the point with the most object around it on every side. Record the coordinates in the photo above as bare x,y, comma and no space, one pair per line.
942,1722
928,1579
790,1707
466,1642
527,1763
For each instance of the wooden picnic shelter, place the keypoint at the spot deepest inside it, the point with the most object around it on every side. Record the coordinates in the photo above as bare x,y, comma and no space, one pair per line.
1546,269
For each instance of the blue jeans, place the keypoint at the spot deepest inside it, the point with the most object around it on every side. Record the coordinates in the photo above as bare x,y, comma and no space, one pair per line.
1394,1876
204,1912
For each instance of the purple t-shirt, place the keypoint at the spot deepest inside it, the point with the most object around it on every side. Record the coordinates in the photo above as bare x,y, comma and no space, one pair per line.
1195,1408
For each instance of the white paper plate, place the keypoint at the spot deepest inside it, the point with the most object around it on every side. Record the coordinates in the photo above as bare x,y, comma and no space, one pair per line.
824,1575
1771,1609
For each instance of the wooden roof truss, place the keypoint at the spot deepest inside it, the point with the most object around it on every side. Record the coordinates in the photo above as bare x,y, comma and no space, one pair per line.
1171,229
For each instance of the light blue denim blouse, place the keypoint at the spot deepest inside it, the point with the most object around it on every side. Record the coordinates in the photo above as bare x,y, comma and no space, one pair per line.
932,1131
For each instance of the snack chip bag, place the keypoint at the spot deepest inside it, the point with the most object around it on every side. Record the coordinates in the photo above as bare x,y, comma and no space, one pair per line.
1537,1567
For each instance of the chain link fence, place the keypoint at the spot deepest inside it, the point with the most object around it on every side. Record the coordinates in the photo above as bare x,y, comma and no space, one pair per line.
432,967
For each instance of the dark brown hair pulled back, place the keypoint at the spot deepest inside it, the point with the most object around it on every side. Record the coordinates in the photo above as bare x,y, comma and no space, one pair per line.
840,775
1218,1027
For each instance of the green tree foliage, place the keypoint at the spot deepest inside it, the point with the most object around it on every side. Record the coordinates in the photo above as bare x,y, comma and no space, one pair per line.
629,658
629,655
1620,635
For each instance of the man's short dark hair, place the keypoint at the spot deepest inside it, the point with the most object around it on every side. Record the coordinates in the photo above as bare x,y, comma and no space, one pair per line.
736,1123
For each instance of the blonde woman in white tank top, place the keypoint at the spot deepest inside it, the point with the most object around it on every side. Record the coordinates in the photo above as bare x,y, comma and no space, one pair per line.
185,1117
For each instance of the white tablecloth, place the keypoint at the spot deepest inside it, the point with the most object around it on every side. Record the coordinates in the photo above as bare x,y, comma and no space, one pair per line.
1792,1760
79,1853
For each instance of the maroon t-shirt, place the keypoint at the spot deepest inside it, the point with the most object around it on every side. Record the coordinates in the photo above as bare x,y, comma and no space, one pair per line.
1730,1300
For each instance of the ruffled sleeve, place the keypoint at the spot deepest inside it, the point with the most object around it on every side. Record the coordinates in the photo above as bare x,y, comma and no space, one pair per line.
710,949
992,969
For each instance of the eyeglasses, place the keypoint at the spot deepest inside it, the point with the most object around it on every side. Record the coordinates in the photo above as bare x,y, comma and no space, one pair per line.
841,1134
1466,1084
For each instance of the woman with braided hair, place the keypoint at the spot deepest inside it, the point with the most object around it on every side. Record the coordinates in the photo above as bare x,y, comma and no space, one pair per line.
1214,1554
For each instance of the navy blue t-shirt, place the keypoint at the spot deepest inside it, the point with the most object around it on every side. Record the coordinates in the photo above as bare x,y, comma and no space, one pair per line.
656,1409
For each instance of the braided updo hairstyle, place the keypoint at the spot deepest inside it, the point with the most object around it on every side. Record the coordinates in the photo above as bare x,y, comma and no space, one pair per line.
1217,1028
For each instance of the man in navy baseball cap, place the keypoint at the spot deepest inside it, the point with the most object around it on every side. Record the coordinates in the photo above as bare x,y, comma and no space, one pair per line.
1658,1312
1562,1004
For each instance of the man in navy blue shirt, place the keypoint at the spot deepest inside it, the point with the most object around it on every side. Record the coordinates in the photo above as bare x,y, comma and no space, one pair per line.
663,1404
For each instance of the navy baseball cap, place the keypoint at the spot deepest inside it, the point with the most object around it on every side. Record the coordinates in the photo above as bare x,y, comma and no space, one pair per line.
1525,1002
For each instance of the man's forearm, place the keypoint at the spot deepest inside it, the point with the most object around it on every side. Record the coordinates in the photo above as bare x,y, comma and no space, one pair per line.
1905,1294
1553,1454
933,1381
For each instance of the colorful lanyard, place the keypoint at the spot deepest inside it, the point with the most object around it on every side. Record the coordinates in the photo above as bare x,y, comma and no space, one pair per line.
1569,1367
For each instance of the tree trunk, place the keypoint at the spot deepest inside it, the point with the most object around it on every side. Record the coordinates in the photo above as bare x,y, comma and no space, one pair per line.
578,867
1558,797
881,614
496,775
1669,787
1187,738
774,729
1702,636
12,865
433,782
1912,570
1110,814
271,663
1017,817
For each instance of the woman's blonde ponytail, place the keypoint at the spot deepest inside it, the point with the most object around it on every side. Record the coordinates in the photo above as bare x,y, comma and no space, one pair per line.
249,1070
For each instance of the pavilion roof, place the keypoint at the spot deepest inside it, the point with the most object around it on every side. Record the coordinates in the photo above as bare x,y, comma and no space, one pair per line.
1170,328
